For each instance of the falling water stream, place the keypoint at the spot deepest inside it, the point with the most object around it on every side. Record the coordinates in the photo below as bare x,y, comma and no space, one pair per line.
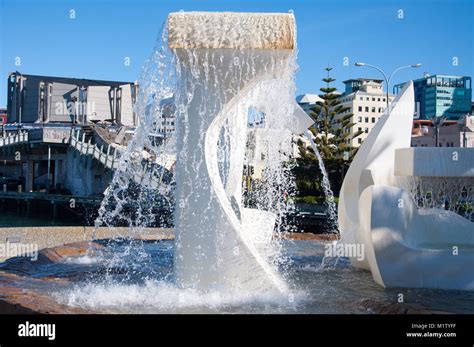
140,184
330,202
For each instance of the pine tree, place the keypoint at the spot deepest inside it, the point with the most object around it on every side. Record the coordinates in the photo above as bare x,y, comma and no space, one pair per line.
332,134
332,122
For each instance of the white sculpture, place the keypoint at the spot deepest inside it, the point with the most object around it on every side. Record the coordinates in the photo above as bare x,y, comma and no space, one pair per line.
213,247
405,246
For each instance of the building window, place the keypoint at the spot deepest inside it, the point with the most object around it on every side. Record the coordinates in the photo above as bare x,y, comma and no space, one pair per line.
359,129
360,108
373,99
366,119
378,99
367,98
383,99
359,141
373,119
361,98
366,108
373,109
359,119
366,130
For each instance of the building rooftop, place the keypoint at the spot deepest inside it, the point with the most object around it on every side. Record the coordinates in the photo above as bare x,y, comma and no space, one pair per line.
426,77
86,81
362,93
363,80
308,99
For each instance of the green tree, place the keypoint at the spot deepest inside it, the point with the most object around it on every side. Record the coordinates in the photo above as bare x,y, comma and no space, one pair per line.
333,137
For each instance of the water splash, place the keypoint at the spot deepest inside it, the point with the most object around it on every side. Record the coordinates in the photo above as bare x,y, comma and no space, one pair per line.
155,296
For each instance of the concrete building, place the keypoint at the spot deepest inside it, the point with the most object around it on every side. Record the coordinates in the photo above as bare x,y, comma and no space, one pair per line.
366,100
46,99
452,134
258,150
166,123
441,95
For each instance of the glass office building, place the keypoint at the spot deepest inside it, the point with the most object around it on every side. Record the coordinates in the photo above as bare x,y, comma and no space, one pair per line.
441,95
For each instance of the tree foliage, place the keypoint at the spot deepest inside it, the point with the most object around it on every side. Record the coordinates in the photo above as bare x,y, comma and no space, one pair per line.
332,134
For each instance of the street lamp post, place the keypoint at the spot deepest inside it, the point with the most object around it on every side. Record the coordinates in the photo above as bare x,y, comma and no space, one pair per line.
437,124
464,138
387,79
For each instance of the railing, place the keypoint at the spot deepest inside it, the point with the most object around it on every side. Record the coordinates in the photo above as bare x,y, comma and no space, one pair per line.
14,138
106,155
110,156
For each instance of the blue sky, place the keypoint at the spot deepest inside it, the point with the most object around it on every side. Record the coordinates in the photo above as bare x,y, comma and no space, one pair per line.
104,32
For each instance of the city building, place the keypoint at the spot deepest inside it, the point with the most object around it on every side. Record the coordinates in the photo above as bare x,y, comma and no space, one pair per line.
3,116
441,95
366,100
451,134
46,99
307,101
166,125
164,114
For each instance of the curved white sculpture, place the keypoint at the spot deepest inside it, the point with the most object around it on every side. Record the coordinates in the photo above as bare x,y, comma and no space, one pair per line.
212,248
373,165
404,246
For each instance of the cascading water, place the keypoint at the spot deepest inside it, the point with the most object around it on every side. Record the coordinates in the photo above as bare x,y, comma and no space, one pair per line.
203,82
330,202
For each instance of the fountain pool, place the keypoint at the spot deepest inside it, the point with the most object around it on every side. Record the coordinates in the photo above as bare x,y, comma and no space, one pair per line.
89,283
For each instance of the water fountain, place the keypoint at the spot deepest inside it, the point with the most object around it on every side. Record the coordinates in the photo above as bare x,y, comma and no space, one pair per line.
225,256
408,245
225,60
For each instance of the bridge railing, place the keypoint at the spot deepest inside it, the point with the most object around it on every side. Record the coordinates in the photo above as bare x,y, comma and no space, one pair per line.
13,138
106,155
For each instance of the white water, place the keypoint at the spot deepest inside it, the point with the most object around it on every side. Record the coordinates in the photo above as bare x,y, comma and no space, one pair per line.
331,204
130,199
155,296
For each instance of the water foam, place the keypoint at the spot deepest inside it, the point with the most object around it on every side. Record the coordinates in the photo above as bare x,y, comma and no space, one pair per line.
161,296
